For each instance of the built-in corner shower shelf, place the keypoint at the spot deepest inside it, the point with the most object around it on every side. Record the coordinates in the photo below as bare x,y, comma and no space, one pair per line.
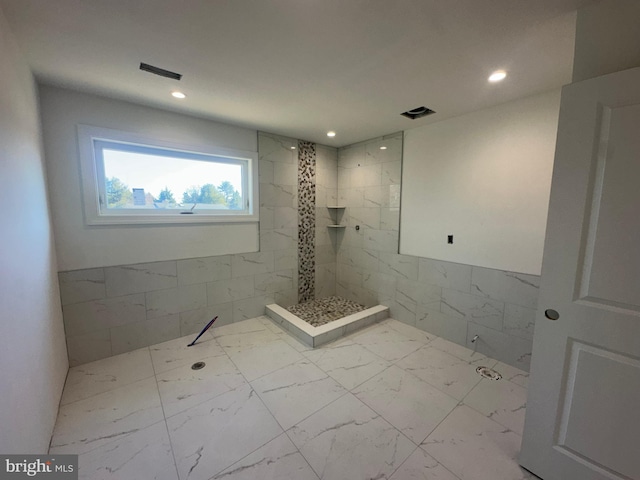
336,216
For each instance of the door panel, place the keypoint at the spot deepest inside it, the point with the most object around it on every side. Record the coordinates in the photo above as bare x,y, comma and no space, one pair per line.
583,407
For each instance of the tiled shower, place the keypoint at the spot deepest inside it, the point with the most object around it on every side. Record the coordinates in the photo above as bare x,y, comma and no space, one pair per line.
117,309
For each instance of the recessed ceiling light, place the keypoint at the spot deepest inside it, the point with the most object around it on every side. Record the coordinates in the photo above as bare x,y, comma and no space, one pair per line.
178,95
292,148
383,148
498,76
331,134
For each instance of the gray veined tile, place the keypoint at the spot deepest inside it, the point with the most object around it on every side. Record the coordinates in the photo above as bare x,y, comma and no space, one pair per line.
212,436
126,338
450,374
409,331
501,401
107,374
224,291
348,363
175,353
82,285
519,321
87,424
418,293
348,440
277,460
146,453
432,320
96,315
408,403
445,274
258,360
462,353
202,270
517,288
89,347
143,277
513,374
422,466
401,266
251,263
182,388
296,391
476,448
483,311
386,342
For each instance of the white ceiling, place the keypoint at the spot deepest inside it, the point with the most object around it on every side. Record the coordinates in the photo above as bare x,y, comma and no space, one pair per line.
302,67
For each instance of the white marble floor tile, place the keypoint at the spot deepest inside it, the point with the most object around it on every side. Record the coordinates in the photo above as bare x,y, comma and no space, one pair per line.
87,424
107,374
513,374
214,435
175,353
143,454
408,331
348,363
501,401
296,391
462,353
277,460
348,440
261,359
422,466
183,388
247,334
411,405
387,343
447,373
476,448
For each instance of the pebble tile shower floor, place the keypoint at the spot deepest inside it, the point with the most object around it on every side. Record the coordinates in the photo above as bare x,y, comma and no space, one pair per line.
324,310
388,401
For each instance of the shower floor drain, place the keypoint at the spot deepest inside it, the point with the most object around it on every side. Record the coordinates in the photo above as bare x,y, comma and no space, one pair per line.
197,366
487,372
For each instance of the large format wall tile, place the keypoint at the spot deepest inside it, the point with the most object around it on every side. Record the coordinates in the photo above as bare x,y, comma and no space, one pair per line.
82,285
105,313
517,288
202,270
143,277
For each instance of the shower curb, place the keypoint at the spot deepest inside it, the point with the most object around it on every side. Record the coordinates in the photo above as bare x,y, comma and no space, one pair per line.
316,336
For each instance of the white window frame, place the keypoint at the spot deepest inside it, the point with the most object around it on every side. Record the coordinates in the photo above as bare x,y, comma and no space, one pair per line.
93,180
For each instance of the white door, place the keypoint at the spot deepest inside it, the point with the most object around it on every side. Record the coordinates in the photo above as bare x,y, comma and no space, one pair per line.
583,408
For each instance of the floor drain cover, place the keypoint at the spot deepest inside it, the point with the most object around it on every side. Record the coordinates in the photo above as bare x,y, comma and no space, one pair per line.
486,372
197,366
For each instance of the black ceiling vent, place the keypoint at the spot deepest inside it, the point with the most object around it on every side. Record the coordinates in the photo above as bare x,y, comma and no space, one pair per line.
417,113
160,71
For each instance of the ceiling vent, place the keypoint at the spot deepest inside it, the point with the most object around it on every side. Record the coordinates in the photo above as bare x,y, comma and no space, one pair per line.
417,113
160,71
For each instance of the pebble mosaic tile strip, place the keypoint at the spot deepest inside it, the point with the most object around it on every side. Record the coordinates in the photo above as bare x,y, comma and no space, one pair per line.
306,220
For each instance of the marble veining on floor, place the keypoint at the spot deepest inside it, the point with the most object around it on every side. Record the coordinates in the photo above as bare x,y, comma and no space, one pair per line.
386,402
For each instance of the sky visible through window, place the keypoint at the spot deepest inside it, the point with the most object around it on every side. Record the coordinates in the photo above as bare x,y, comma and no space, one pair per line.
154,173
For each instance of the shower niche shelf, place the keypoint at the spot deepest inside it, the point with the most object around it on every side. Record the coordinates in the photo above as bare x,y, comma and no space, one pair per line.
336,214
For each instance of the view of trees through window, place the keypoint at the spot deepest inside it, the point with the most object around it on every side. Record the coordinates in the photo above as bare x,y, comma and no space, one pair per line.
119,195
138,180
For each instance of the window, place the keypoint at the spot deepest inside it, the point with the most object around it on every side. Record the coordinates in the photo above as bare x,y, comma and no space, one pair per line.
127,179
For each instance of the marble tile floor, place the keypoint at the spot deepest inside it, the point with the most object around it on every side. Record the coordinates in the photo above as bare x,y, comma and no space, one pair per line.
386,402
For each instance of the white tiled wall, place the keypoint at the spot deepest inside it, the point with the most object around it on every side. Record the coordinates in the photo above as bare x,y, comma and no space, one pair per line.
326,195
112,310
450,300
